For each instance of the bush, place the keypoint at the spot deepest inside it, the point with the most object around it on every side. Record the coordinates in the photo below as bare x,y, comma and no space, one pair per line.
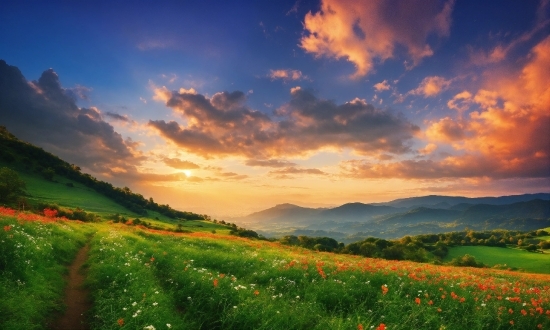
11,186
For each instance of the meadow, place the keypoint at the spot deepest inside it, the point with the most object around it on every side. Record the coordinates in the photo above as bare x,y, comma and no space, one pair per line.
153,279
534,262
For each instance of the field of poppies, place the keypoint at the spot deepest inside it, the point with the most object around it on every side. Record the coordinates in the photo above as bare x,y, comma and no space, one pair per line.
145,279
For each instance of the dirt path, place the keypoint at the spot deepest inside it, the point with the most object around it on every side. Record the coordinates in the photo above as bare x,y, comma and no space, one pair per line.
76,296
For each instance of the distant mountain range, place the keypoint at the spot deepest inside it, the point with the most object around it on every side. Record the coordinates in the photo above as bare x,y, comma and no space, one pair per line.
409,216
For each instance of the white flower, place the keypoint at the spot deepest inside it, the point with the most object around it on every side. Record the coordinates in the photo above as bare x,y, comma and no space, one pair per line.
155,303
168,325
134,303
234,306
149,327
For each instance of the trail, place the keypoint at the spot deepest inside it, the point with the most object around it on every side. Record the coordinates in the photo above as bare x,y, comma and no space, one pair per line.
76,296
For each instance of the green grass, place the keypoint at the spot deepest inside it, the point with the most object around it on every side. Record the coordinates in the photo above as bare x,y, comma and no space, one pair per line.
513,258
141,279
33,259
42,190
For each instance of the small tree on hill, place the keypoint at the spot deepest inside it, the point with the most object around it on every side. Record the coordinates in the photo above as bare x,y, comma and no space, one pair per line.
11,186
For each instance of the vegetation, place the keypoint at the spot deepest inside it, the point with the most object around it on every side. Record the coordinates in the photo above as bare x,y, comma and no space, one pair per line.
35,160
141,278
11,186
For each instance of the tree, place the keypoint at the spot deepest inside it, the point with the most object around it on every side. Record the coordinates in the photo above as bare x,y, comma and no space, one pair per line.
11,186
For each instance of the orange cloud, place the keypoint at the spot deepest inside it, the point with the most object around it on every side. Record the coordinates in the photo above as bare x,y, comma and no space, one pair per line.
460,102
286,74
365,31
431,86
382,86
446,129
180,164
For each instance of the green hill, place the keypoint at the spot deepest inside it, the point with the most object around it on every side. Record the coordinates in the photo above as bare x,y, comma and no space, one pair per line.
504,257
33,162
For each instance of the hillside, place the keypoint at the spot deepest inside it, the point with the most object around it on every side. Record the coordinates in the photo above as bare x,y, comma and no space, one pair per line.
32,162
139,278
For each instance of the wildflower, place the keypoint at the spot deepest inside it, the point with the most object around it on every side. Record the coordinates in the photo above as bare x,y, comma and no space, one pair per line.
215,282
149,327
168,325
384,289
439,310
120,322
256,292
417,301
523,312
382,326
430,302
155,303
512,322
7,228
360,327
511,311
134,303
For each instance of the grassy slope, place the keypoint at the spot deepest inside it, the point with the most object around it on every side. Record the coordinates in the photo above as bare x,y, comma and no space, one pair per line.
528,261
57,192
42,190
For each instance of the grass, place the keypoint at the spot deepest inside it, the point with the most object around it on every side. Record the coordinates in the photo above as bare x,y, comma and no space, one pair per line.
34,253
150,279
42,190
513,258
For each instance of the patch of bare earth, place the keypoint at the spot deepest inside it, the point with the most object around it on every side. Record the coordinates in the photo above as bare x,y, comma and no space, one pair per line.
76,296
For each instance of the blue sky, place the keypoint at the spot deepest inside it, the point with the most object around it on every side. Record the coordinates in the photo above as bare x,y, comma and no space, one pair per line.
379,99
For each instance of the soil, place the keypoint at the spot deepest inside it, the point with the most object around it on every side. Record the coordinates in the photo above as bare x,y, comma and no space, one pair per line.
76,296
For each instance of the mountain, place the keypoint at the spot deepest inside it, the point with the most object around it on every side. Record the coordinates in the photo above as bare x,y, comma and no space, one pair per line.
438,201
283,213
354,221
356,212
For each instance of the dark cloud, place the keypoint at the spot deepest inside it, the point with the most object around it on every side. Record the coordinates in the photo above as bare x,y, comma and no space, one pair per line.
268,163
45,114
180,164
116,116
224,125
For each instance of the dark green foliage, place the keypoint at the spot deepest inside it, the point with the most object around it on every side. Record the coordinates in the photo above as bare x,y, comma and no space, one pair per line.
48,173
467,261
11,186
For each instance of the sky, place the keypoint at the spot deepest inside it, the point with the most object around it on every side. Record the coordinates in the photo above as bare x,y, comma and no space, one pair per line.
231,107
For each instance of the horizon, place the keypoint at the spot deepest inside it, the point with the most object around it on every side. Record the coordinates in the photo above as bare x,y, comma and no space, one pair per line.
228,109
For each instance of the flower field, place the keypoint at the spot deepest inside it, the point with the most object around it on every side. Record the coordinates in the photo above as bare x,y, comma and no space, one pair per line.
143,279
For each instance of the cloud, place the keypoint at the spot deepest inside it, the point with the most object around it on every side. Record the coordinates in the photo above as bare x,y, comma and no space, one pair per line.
431,86
78,92
223,125
116,116
268,163
180,164
45,114
460,102
286,75
292,171
369,31
382,86
501,51
428,149
446,129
